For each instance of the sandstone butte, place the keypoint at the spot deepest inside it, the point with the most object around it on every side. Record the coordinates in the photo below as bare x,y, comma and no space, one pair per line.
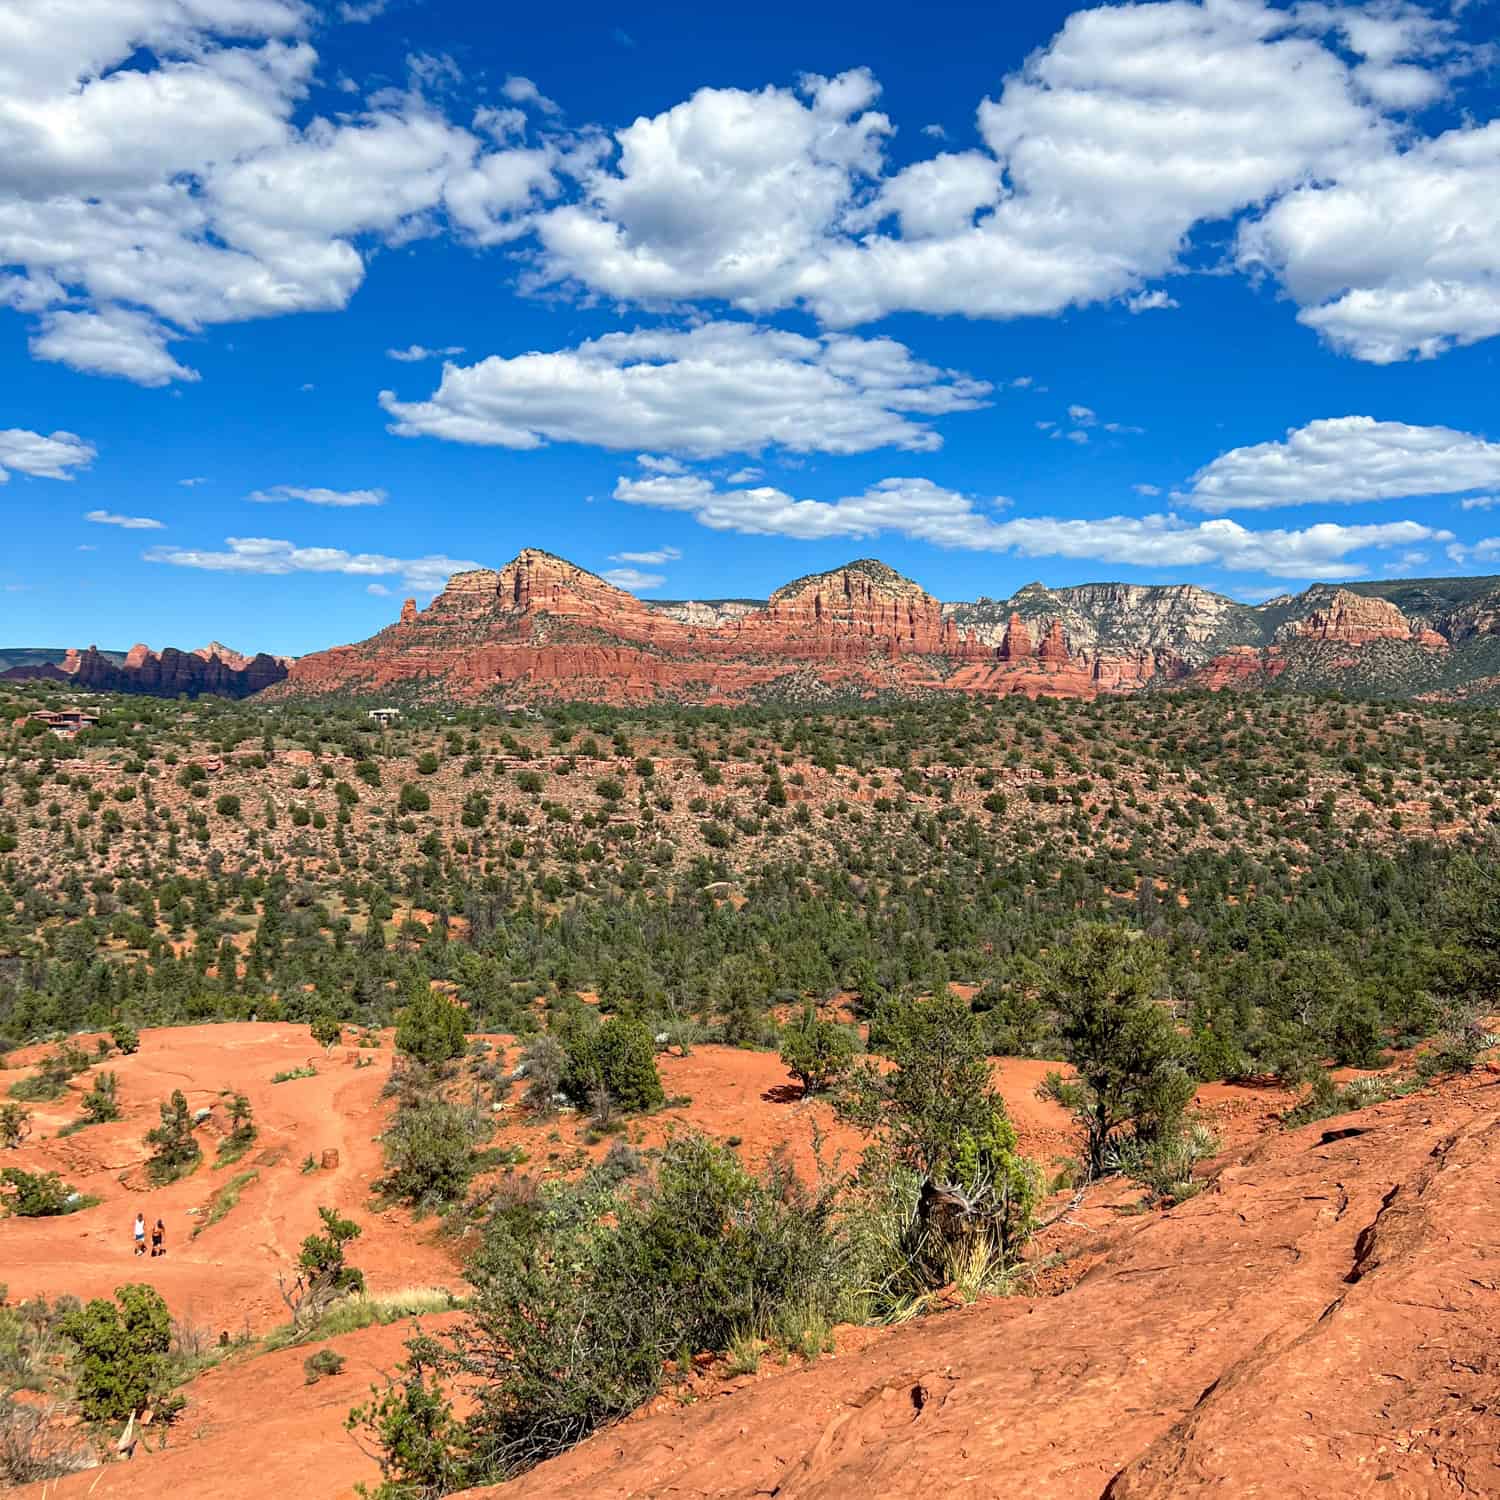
541,627
1320,1321
210,669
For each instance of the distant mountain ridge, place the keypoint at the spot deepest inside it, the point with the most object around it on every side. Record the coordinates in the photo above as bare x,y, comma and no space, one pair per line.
12,657
542,627
214,668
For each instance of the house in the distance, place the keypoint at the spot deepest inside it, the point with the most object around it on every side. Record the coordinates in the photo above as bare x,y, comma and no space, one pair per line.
63,721
385,715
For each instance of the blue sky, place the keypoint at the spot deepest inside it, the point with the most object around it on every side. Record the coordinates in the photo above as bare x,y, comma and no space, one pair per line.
705,301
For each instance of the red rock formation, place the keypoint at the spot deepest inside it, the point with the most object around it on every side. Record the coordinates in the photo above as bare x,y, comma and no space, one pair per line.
231,658
546,628
43,672
1354,619
1054,647
1239,667
1320,1321
1017,643
176,672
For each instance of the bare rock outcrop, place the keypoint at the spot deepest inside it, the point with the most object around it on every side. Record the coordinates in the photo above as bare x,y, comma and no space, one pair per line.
1319,1321
174,672
1354,619
542,627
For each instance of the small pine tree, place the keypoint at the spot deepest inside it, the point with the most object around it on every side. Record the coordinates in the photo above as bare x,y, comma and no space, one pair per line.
101,1103
937,1114
431,1028
327,1030
409,1428
817,1052
324,1275
1130,1062
617,1058
126,1038
123,1346
174,1151
241,1119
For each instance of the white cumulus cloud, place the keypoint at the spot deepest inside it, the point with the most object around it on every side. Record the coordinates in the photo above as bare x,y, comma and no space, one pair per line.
1345,460
633,579
142,202
276,558
42,456
129,523
928,512
415,353
1400,256
1132,126
718,388
342,499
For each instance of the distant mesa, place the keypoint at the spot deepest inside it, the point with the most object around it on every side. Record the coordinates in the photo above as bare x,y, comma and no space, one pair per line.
543,628
214,668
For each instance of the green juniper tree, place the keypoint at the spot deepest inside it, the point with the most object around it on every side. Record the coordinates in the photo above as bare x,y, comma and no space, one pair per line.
1129,1060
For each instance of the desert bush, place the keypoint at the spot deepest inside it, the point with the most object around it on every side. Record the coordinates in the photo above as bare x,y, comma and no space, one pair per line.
817,1052
361,1310
36,1444
429,1153
126,1038
122,1365
174,1151
15,1126
325,1362
545,1064
1324,1098
326,1030
583,1293
224,1199
431,1028
1459,1045
40,1195
1164,1165
49,1081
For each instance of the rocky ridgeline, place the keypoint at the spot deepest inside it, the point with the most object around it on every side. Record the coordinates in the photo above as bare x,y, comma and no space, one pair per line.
210,669
541,627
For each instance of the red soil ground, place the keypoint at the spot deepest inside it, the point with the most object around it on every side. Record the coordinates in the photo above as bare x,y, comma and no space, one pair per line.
1320,1321
252,1425
225,1279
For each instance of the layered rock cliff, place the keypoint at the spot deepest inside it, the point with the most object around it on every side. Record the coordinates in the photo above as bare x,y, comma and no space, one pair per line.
541,627
173,672
214,668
